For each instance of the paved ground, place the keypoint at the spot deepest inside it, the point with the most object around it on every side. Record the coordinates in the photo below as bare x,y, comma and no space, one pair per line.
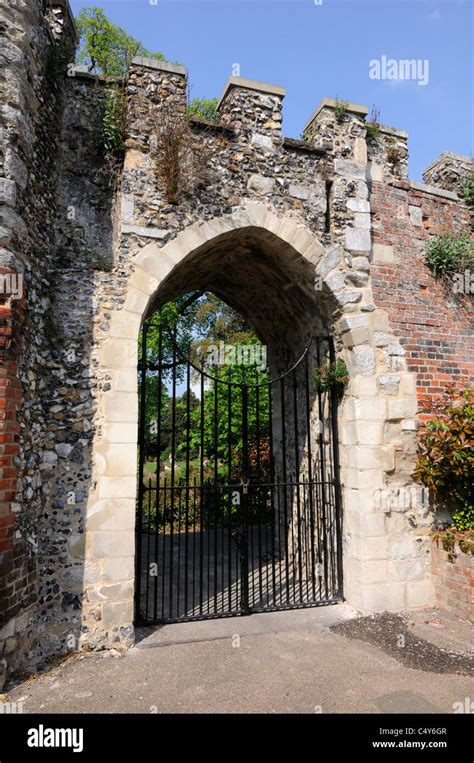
274,662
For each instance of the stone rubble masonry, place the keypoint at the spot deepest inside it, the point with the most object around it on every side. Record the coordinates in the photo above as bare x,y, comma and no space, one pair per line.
324,234
449,171
31,105
388,154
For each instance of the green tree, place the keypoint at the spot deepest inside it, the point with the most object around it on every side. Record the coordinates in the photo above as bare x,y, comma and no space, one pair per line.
105,47
215,322
184,329
182,425
224,413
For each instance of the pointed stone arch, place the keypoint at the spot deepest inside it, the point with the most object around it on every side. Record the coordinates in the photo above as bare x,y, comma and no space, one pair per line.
367,455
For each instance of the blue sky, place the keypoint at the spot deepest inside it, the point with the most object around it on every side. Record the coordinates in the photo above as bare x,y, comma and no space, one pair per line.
317,50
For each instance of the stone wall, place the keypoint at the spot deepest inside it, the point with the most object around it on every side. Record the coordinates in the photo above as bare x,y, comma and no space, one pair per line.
35,38
301,236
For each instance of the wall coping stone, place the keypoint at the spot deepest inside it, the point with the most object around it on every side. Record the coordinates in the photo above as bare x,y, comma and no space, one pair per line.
250,84
330,103
83,72
302,145
208,124
388,130
434,191
162,66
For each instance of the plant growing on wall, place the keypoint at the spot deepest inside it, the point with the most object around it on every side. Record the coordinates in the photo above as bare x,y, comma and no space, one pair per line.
446,455
393,154
203,108
449,253
114,121
340,109
181,163
467,193
107,49
331,375
61,55
373,125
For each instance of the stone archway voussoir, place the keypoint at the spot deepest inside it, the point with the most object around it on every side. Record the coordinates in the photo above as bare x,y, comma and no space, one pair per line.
125,325
144,281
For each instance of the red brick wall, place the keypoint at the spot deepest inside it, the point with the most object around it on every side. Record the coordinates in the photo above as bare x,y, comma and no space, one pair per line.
453,582
438,338
16,573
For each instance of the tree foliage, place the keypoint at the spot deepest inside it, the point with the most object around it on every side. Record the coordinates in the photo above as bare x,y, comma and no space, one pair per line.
105,47
184,329
224,414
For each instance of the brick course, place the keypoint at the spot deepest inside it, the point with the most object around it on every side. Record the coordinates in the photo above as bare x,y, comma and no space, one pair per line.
436,333
453,581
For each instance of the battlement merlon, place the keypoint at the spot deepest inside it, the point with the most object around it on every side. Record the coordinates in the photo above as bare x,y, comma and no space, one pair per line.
449,171
252,105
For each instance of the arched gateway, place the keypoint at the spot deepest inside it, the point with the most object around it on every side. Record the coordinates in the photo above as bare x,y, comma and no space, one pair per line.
277,274
316,242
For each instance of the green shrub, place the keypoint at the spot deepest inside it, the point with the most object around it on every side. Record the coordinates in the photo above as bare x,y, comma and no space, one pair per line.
114,121
446,455
373,130
203,108
449,253
330,375
340,109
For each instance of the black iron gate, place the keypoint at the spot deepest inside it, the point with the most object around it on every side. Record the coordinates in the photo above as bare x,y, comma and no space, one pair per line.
239,505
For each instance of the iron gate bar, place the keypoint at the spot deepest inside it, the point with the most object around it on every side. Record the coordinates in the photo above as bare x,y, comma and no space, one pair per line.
279,545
